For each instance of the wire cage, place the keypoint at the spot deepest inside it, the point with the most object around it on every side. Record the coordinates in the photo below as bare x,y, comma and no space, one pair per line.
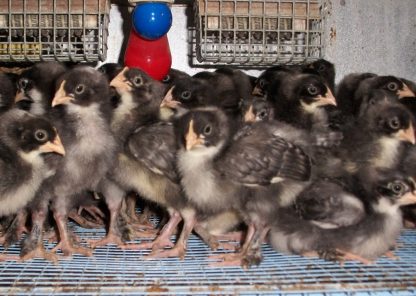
258,33
61,30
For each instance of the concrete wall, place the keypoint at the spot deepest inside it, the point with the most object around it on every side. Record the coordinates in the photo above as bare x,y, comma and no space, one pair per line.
361,35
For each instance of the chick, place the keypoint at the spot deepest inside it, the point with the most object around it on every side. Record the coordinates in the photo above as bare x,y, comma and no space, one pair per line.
219,173
140,98
231,86
35,87
82,97
326,70
7,92
378,139
328,204
256,108
300,99
174,76
372,236
354,87
25,139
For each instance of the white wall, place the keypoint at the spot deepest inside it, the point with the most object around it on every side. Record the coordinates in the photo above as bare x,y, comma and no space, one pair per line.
371,35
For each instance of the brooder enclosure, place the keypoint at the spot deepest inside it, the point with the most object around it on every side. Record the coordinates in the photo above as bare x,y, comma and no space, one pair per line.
376,36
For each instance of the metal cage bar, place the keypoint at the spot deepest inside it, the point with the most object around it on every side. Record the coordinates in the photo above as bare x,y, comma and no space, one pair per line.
258,33
61,30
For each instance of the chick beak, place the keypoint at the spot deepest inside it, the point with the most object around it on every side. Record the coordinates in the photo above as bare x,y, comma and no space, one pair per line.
120,82
61,97
408,198
54,146
407,135
168,100
327,99
20,95
257,91
249,116
405,92
191,138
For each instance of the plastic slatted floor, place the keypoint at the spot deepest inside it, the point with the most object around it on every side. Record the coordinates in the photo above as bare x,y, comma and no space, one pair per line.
112,271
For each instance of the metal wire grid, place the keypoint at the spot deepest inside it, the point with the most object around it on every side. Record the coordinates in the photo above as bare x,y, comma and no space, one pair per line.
258,33
112,271
61,30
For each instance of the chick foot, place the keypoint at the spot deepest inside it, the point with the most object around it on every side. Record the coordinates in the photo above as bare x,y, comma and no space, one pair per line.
68,249
83,222
342,256
38,252
6,257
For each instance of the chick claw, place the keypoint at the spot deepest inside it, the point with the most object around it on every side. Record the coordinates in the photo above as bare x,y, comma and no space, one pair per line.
68,249
39,252
176,251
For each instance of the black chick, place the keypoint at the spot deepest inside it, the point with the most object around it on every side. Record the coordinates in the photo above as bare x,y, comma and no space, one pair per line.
140,98
174,76
378,139
36,87
7,93
372,236
25,142
219,172
83,104
231,86
256,108
325,69
300,99
328,204
354,87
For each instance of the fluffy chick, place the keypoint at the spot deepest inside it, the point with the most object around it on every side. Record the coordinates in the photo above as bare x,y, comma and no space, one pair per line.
24,142
300,99
220,173
372,236
7,92
140,98
36,87
82,96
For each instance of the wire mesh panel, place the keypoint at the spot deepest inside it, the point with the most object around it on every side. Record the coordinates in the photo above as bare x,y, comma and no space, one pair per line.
258,33
62,30
113,271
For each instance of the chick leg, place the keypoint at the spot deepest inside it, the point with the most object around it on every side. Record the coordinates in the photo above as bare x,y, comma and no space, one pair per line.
94,212
213,241
137,221
341,256
66,244
179,250
74,214
163,239
16,229
243,257
33,244
114,235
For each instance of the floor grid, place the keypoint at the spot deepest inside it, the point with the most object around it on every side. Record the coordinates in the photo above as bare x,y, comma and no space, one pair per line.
112,271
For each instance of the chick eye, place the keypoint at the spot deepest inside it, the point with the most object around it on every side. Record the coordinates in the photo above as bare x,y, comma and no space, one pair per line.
207,129
392,86
321,68
166,79
394,123
262,83
397,188
312,90
186,95
79,89
137,81
262,114
41,135
372,102
23,83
